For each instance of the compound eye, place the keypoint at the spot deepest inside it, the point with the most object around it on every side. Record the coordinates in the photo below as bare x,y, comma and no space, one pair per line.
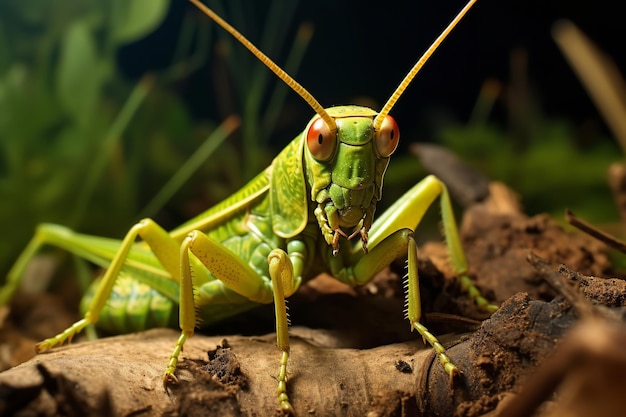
321,141
387,137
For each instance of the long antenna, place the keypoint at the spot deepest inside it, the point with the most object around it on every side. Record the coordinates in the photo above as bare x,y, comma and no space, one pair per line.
418,65
293,84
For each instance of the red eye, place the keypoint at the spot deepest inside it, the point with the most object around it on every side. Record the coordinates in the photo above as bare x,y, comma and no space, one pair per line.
321,141
387,137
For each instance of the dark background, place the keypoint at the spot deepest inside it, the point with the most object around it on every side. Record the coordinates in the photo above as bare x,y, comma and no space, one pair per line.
364,49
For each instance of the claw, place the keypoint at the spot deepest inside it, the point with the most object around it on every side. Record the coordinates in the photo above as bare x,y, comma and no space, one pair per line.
364,238
59,339
453,372
169,378
337,232
43,346
286,408
491,308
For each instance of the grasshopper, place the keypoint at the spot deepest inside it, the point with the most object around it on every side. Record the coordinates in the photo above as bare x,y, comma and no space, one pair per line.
259,245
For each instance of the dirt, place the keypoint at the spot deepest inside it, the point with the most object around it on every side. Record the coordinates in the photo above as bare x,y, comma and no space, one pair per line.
352,352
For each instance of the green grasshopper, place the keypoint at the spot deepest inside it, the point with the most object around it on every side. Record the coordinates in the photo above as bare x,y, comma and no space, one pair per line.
259,245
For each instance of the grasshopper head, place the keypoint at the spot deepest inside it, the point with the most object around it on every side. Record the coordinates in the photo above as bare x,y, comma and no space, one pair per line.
347,152
345,169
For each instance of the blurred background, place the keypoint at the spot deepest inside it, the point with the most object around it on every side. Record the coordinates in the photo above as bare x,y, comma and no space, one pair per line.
115,110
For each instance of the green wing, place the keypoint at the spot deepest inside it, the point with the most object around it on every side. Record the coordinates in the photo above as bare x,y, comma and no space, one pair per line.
247,196
288,198
284,180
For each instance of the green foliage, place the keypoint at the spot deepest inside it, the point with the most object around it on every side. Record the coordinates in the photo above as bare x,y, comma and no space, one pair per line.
259,94
82,146
135,19
548,170
61,98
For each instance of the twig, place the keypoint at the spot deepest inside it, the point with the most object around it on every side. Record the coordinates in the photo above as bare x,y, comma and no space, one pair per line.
594,232
561,285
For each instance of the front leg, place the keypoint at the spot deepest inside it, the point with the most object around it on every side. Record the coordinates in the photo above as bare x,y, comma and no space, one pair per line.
224,265
391,237
281,271
285,273
398,245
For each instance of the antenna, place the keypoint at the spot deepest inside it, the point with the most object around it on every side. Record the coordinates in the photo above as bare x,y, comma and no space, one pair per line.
293,84
378,121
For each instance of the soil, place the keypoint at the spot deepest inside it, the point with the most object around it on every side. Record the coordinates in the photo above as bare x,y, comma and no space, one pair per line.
352,353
